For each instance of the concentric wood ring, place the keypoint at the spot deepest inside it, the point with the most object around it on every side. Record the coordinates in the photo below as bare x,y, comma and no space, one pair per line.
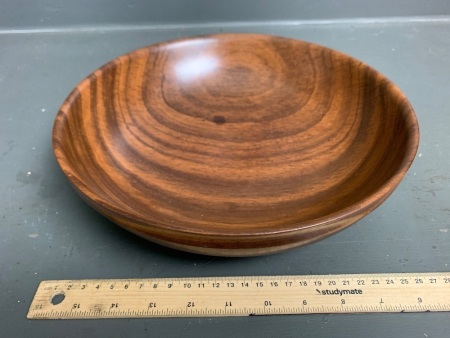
235,144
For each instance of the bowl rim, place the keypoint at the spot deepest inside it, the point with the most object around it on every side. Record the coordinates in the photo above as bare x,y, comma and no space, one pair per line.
368,203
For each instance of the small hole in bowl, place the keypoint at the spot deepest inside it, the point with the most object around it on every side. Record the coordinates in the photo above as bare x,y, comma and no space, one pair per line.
57,298
219,119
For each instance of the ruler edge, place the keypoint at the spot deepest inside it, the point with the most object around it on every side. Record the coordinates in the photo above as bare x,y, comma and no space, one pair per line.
42,284
252,277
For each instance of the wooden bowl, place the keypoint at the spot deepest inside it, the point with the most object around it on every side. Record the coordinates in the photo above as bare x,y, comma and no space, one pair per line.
235,144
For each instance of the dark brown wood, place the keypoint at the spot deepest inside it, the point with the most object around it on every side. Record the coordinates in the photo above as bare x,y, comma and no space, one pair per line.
235,144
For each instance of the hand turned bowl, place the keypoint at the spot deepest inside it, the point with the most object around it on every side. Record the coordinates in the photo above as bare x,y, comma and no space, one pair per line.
235,144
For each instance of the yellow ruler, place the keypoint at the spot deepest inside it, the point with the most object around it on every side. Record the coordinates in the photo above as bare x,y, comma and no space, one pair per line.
241,296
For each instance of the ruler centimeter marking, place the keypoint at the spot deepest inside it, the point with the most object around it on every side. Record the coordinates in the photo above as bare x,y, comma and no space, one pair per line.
241,296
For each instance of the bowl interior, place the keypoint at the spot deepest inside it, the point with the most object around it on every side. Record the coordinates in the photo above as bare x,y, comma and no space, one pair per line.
235,134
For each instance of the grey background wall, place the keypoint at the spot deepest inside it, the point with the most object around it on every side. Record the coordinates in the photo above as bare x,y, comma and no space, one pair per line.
18,14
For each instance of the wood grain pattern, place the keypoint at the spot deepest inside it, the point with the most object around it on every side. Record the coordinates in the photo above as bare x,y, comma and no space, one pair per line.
235,144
